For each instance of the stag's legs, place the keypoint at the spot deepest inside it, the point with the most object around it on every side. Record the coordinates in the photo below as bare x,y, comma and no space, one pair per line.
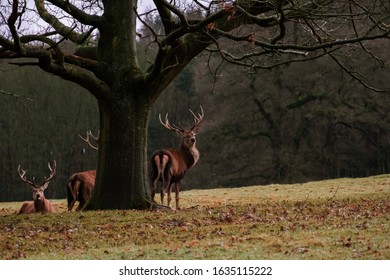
80,206
166,187
82,202
71,204
169,194
82,196
71,198
162,191
177,190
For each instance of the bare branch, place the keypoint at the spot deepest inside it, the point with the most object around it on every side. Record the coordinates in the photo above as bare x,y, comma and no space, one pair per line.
355,28
81,76
11,24
61,28
53,45
7,44
168,7
77,13
165,15
15,95
261,20
354,75
85,63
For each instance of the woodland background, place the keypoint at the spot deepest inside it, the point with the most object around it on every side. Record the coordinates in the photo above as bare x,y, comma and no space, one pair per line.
289,124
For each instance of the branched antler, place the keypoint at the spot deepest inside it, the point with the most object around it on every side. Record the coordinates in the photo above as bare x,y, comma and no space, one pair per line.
90,136
168,126
197,119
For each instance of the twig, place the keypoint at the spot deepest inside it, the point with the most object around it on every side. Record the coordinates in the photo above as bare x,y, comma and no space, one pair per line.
15,95
355,76
156,205
334,195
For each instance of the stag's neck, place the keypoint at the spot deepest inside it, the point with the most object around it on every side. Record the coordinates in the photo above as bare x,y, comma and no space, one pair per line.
191,155
40,205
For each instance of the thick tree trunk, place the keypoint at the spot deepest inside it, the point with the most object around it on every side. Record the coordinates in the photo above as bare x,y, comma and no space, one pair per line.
122,177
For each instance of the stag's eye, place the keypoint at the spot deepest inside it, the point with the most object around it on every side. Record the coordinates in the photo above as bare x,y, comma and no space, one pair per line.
189,139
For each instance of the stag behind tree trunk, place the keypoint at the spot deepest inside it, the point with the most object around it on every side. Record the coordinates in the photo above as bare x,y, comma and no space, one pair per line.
170,165
80,187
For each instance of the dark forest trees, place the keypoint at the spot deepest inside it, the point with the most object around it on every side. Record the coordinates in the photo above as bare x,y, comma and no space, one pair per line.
308,121
40,122
126,91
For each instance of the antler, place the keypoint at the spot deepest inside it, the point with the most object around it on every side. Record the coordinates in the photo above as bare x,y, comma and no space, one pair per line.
52,173
88,139
198,119
32,185
22,175
167,125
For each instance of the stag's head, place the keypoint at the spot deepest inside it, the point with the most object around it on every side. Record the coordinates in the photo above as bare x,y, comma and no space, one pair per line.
38,189
188,136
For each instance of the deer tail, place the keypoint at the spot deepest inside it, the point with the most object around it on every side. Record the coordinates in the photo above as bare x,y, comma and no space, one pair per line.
161,163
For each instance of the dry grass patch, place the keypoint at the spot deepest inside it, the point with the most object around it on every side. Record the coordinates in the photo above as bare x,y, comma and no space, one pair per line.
334,219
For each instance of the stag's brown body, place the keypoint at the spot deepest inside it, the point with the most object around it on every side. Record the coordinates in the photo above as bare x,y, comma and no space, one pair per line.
79,188
170,165
39,204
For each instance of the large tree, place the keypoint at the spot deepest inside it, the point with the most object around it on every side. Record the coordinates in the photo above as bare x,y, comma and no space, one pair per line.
106,61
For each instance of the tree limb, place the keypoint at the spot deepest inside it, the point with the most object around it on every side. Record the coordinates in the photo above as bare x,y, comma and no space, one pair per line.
76,74
61,28
46,40
165,15
77,13
15,14
6,44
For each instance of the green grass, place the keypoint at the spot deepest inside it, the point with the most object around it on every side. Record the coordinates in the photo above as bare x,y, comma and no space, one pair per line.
333,219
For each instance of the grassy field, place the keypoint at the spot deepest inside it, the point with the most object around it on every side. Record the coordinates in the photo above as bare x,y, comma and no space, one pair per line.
333,219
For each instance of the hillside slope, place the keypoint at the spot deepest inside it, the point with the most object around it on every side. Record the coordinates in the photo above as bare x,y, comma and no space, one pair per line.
333,219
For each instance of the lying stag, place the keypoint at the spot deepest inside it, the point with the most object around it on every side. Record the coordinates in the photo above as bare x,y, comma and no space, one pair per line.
170,165
40,204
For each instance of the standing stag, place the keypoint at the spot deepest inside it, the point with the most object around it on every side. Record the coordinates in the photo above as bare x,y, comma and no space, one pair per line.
40,204
80,185
170,165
